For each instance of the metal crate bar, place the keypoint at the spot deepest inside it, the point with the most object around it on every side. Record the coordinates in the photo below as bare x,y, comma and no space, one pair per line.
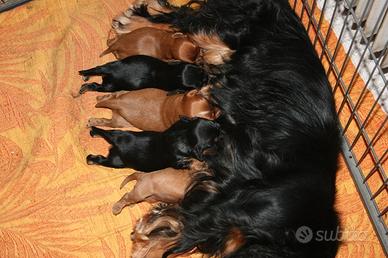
356,12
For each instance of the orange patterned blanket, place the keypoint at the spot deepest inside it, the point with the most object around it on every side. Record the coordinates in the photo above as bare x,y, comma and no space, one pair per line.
52,204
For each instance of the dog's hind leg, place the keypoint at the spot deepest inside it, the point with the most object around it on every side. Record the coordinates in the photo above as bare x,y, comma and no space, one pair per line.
95,71
104,87
117,121
90,87
126,200
138,194
112,161
108,135
93,121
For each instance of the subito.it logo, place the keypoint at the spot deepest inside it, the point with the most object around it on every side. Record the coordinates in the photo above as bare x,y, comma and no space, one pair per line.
304,234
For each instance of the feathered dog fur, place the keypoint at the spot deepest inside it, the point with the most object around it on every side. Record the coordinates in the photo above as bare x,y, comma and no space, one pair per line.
277,157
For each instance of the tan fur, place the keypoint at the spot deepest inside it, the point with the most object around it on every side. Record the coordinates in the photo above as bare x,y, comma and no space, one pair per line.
213,50
179,3
153,6
126,23
152,109
148,245
161,44
167,185
234,241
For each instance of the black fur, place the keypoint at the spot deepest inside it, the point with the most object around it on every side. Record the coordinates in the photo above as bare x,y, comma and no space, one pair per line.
231,20
150,151
276,159
138,72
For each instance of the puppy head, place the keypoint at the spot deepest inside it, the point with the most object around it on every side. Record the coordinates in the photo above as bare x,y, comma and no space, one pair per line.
185,49
204,137
193,76
156,232
195,104
194,136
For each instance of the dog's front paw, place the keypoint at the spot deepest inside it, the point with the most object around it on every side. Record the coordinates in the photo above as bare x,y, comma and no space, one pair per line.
129,12
119,22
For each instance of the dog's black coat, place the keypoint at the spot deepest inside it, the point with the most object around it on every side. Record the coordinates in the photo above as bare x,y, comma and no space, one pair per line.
150,151
138,72
276,160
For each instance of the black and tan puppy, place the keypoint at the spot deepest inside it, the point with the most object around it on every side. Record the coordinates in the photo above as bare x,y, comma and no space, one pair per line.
139,72
149,151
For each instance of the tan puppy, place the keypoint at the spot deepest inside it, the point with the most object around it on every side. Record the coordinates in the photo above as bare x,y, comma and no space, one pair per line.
161,44
167,185
152,109
213,51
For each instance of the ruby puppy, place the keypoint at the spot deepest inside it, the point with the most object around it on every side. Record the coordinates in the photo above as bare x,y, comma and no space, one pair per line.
152,109
161,44
151,187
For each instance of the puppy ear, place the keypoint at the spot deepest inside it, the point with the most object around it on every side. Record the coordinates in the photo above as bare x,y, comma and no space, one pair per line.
193,76
198,151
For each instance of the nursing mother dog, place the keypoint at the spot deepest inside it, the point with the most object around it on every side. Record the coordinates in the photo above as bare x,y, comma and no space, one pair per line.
276,157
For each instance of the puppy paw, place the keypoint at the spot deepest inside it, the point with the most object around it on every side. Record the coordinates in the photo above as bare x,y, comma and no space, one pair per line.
129,12
75,94
117,208
93,133
91,122
95,159
119,22
84,88
90,159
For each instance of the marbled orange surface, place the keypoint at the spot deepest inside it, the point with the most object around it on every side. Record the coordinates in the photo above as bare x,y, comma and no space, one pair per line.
51,203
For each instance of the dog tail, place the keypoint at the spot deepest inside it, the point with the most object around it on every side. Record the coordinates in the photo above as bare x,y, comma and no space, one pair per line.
109,103
106,51
131,177
98,70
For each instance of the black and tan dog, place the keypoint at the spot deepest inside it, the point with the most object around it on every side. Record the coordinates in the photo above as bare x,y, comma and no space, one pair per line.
148,151
139,72
276,164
